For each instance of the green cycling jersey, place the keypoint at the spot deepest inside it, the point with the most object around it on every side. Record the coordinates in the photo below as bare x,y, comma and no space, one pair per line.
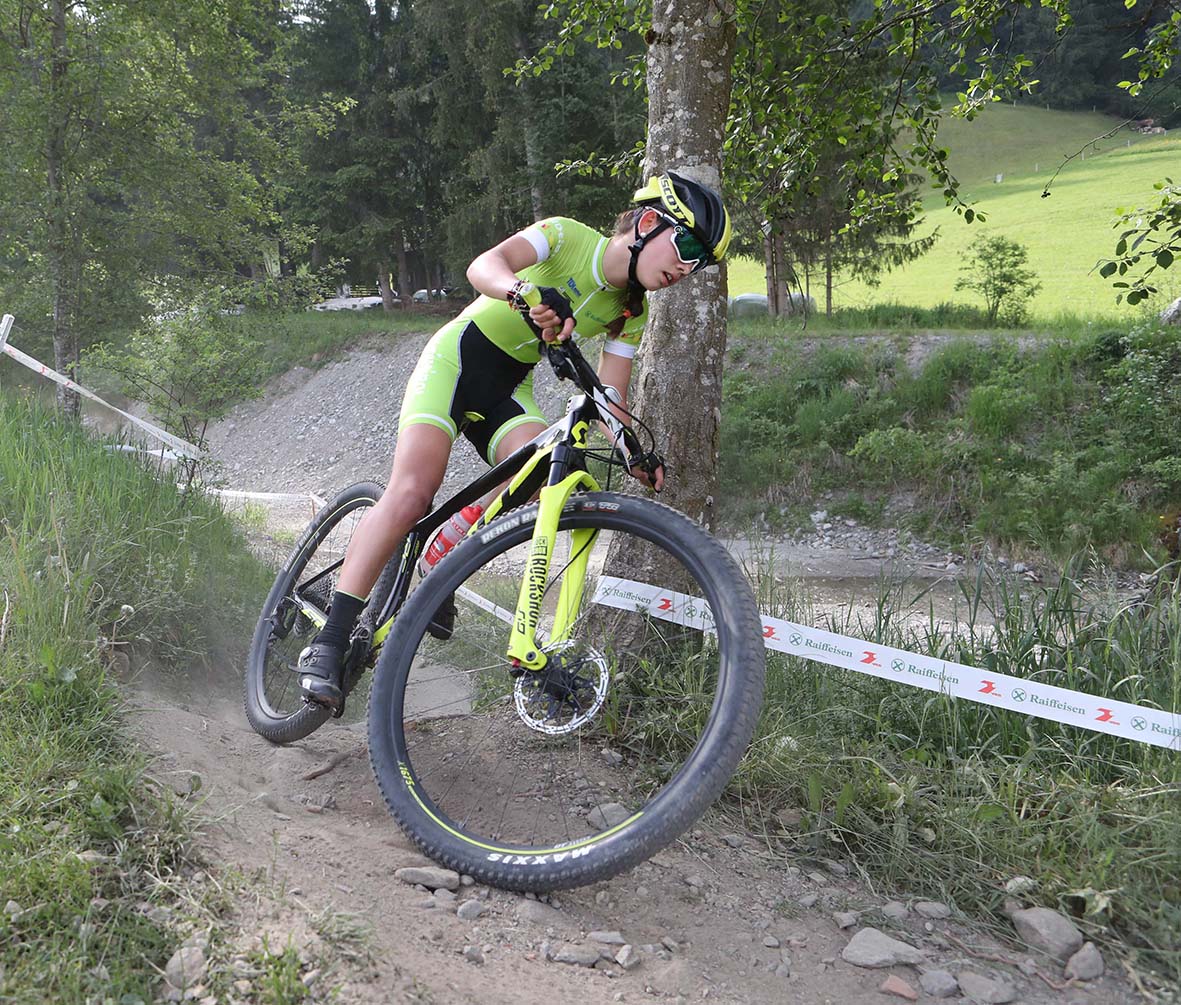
569,258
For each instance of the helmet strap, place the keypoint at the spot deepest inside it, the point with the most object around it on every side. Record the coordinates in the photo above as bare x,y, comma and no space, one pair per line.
635,289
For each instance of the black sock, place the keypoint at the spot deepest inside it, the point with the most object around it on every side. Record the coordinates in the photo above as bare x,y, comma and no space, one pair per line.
342,617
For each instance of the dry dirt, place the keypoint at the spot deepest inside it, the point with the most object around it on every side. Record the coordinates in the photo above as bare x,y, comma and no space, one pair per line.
715,917
711,918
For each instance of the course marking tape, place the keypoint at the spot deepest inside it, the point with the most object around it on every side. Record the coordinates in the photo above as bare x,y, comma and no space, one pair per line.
182,447
957,680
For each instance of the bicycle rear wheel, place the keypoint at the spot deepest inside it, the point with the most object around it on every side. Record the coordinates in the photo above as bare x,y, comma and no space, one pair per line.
555,779
273,700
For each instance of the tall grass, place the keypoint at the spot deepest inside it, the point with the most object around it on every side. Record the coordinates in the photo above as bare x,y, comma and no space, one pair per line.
97,550
950,799
1056,446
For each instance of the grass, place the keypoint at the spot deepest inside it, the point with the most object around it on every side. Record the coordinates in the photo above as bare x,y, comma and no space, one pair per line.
1061,445
949,799
305,337
97,551
1066,234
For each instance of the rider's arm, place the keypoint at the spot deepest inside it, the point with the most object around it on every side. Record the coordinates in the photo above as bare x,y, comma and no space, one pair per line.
616,371
494,273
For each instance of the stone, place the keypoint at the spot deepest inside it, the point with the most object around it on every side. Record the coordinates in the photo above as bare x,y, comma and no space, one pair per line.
1019,885
577,955
608,938
984,989
608,815
470,910
1171,315
539,914
733,840
895,910
845,919
770,942
808,900
12,909
1051,932
628,958
932,909
186,967
1086,964
872,948
431,877
473,954
445,897
938,983
897,986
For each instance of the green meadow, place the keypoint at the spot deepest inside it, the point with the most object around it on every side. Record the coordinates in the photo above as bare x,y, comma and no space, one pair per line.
1067,232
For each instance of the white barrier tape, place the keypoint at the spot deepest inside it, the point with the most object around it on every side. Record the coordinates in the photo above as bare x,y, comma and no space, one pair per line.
1016,694
182,447
295,497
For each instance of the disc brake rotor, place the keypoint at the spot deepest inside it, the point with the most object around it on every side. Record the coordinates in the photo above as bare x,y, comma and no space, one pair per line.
566,695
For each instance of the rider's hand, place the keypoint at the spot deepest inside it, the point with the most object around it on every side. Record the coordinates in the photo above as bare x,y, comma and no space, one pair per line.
650,471
554,315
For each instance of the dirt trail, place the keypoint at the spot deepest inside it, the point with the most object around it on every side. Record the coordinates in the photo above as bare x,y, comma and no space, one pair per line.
720,916
714,918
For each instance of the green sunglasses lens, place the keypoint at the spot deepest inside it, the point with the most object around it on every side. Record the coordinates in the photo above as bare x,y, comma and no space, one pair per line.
689,248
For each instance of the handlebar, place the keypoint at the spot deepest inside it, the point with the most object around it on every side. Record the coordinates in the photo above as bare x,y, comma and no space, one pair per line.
569,363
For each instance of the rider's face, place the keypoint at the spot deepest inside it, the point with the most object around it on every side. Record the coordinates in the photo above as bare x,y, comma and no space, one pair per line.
659,264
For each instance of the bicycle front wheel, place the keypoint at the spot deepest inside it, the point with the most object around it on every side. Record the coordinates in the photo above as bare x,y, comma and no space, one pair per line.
558,778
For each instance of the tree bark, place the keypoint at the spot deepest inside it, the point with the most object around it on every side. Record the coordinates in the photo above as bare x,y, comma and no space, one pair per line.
769,267
404,288
383,286
678,380
828,280
62,272
782,294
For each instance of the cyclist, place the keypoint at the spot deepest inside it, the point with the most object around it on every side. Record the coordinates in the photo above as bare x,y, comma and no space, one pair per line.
475,376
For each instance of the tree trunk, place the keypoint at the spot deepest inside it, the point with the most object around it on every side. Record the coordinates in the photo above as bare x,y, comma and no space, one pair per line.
678,380
62,272
782,293
770,266
383,286
404,287
828,281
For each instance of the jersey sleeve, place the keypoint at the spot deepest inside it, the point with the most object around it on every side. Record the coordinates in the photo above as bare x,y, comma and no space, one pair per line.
548,237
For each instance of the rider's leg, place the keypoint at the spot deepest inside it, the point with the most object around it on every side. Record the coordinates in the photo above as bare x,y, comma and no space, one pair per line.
420,461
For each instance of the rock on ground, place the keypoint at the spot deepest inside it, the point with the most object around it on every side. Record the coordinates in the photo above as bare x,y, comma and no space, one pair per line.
984,989
1049,931
938,983
429,876
1086,964
186,967
872,948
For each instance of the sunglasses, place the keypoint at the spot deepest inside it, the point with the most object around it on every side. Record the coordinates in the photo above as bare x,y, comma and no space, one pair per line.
688,246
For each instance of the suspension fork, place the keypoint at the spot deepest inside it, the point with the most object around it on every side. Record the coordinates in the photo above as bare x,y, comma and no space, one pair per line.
523,649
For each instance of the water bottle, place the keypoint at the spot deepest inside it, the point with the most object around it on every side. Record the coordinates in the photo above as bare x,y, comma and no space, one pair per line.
449,535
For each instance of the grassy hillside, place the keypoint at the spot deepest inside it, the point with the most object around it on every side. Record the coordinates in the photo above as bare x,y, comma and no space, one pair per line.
1066,233
96,551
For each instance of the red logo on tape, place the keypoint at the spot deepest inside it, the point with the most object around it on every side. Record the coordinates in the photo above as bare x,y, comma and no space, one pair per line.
870,658
988,688
769,632
1106,715
665,604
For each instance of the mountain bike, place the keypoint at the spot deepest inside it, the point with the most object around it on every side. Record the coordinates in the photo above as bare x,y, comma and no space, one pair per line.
566,691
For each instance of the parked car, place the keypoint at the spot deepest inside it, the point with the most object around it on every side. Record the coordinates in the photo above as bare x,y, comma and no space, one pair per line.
422,296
